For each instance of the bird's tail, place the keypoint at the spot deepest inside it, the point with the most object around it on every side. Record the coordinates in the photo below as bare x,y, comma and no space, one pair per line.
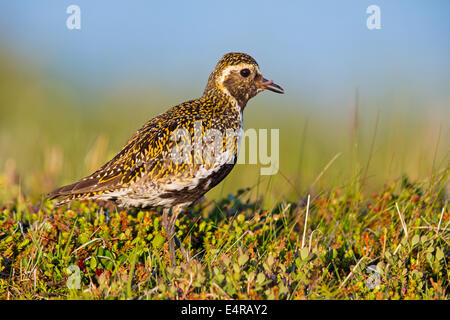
67,194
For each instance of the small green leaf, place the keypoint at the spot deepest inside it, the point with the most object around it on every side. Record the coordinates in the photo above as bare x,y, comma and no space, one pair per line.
158,241
236,268
109,265
260,278
270,261
304,253
220,278
226,260
242,259
439,254
93,263
424,238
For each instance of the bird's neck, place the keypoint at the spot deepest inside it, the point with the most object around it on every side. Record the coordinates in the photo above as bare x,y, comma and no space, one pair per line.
224,107
224,99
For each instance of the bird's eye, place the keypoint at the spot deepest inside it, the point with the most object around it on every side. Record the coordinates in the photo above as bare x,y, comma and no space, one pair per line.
245,73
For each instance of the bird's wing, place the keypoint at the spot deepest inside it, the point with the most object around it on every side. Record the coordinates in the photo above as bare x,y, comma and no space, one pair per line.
148,152
143,150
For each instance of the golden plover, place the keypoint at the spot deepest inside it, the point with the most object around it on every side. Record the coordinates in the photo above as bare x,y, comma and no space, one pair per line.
179,155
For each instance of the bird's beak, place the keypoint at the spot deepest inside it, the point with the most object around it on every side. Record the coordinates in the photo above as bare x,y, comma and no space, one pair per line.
269,85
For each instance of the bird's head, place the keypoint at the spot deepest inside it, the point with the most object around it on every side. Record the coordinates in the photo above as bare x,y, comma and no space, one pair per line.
238,76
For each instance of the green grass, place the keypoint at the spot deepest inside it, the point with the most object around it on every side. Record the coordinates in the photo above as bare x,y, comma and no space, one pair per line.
242,251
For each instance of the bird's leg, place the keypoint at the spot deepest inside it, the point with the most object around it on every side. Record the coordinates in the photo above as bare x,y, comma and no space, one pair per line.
172,239
168,224
165,219
187,257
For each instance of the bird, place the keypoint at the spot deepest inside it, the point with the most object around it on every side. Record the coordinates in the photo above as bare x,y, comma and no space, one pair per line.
179,155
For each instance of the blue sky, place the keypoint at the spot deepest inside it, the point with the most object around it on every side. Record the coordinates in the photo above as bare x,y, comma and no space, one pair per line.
314,48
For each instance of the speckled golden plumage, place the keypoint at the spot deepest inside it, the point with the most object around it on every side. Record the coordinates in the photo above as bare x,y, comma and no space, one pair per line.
143,173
